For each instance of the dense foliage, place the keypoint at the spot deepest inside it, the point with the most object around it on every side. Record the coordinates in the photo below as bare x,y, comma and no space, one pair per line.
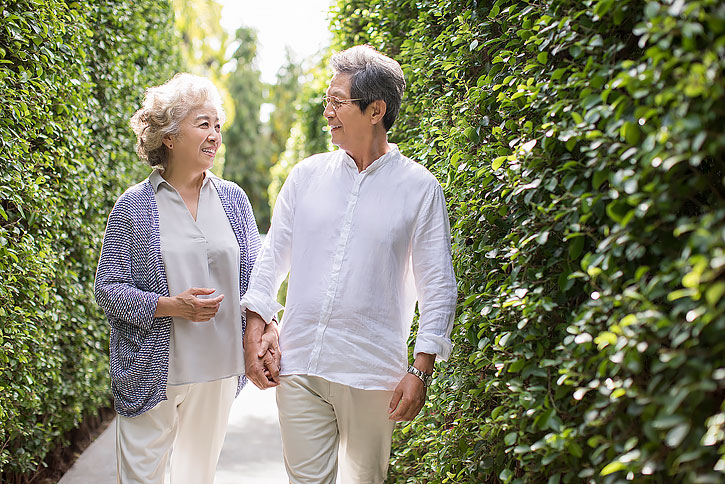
71,75
581,148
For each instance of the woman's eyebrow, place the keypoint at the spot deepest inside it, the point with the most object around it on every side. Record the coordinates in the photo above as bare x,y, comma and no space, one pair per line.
205,117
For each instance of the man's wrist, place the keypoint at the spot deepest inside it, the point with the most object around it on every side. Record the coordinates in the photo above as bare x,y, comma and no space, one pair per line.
424,362
426,378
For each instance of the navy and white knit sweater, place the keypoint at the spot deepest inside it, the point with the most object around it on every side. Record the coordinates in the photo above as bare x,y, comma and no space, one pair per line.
131,278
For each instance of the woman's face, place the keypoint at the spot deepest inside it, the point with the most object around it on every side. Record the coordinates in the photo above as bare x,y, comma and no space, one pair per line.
199,138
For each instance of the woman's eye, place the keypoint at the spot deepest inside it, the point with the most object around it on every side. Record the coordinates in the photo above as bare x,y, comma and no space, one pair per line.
204,125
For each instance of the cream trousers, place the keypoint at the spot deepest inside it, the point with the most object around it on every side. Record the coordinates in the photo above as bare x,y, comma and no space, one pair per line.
188,428
318,417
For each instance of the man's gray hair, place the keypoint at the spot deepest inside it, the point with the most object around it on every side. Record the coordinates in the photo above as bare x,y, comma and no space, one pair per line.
373,76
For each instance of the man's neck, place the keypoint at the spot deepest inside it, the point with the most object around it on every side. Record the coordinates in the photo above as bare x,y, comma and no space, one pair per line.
372,151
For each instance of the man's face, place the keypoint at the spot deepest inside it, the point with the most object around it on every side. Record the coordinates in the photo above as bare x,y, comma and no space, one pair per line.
348,125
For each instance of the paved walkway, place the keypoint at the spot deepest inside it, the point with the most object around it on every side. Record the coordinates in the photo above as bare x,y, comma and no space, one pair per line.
252,452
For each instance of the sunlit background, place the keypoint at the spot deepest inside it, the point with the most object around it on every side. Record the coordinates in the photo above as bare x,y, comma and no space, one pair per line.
269,60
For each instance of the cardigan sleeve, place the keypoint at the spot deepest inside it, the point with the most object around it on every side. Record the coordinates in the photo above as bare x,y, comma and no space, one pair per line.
115,289
253,239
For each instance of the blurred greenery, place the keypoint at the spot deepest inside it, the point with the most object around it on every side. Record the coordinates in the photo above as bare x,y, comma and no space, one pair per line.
247,155
71,75
580,145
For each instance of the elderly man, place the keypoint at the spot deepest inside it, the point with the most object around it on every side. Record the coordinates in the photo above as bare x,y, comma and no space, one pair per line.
363,233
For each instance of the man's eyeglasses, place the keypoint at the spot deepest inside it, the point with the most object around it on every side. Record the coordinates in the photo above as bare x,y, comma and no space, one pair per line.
336,102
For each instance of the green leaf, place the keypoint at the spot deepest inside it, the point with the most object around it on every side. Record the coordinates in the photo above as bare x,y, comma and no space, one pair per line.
497,162
714,293
677,434
605,338
612,467
599,177
576,245
542,238
506,475
629,133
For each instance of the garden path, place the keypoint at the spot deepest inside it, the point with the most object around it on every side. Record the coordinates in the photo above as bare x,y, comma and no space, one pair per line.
252,452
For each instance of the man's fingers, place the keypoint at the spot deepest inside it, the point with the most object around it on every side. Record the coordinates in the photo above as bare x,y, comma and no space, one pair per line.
400,410
397,394
271,365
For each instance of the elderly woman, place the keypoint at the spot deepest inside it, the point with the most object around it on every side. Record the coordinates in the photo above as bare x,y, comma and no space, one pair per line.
177,254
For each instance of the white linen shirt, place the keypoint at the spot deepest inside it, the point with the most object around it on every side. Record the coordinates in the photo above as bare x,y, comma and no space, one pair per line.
360,249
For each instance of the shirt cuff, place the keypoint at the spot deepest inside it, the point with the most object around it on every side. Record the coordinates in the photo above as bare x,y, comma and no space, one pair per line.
433,345
265,307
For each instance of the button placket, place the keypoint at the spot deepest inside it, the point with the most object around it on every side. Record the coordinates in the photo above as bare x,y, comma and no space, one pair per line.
326,310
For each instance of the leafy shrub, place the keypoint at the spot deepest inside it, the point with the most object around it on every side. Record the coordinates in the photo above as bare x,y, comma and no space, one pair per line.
581,148
71,75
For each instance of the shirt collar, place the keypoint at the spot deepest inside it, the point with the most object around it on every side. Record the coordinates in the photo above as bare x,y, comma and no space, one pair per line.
156,179
383,160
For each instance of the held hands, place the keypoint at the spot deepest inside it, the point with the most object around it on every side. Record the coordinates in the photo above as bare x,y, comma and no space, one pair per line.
270,355
261,352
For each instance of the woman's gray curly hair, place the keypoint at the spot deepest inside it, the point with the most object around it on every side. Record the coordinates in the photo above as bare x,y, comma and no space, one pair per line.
164,108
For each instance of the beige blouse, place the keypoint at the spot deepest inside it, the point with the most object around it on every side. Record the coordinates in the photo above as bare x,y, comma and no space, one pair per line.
201,253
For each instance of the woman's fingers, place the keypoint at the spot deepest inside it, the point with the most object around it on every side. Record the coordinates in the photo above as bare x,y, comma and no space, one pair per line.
199,309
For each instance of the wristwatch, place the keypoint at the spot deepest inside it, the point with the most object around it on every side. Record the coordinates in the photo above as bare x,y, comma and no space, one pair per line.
426,378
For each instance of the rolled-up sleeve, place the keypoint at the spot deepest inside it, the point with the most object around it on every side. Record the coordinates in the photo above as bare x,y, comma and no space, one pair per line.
115,290
274,259
435,280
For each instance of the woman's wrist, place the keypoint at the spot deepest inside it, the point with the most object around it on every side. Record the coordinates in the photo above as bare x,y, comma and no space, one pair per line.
165,307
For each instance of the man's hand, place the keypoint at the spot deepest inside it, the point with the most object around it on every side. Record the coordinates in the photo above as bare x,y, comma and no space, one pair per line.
409,395
270,353
261,352
408,398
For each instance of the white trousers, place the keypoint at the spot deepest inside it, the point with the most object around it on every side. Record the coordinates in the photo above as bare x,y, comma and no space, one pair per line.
188,427
318,417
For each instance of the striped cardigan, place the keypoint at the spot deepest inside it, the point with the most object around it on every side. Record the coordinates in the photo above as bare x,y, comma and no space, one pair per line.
131,278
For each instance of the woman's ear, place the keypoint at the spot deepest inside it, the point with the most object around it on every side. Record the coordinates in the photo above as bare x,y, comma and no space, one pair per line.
377,111
166,140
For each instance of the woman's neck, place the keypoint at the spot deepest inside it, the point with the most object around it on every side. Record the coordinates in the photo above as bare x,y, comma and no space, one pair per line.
183,180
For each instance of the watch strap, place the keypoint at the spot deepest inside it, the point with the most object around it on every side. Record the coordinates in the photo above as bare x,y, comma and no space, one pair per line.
426,378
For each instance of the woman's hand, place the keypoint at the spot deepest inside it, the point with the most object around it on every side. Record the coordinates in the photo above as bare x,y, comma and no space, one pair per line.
188,306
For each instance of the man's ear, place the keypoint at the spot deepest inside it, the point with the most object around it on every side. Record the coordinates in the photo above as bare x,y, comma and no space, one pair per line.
377,111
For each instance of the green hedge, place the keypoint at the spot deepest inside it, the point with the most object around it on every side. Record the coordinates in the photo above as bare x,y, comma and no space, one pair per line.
71,75
581,146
